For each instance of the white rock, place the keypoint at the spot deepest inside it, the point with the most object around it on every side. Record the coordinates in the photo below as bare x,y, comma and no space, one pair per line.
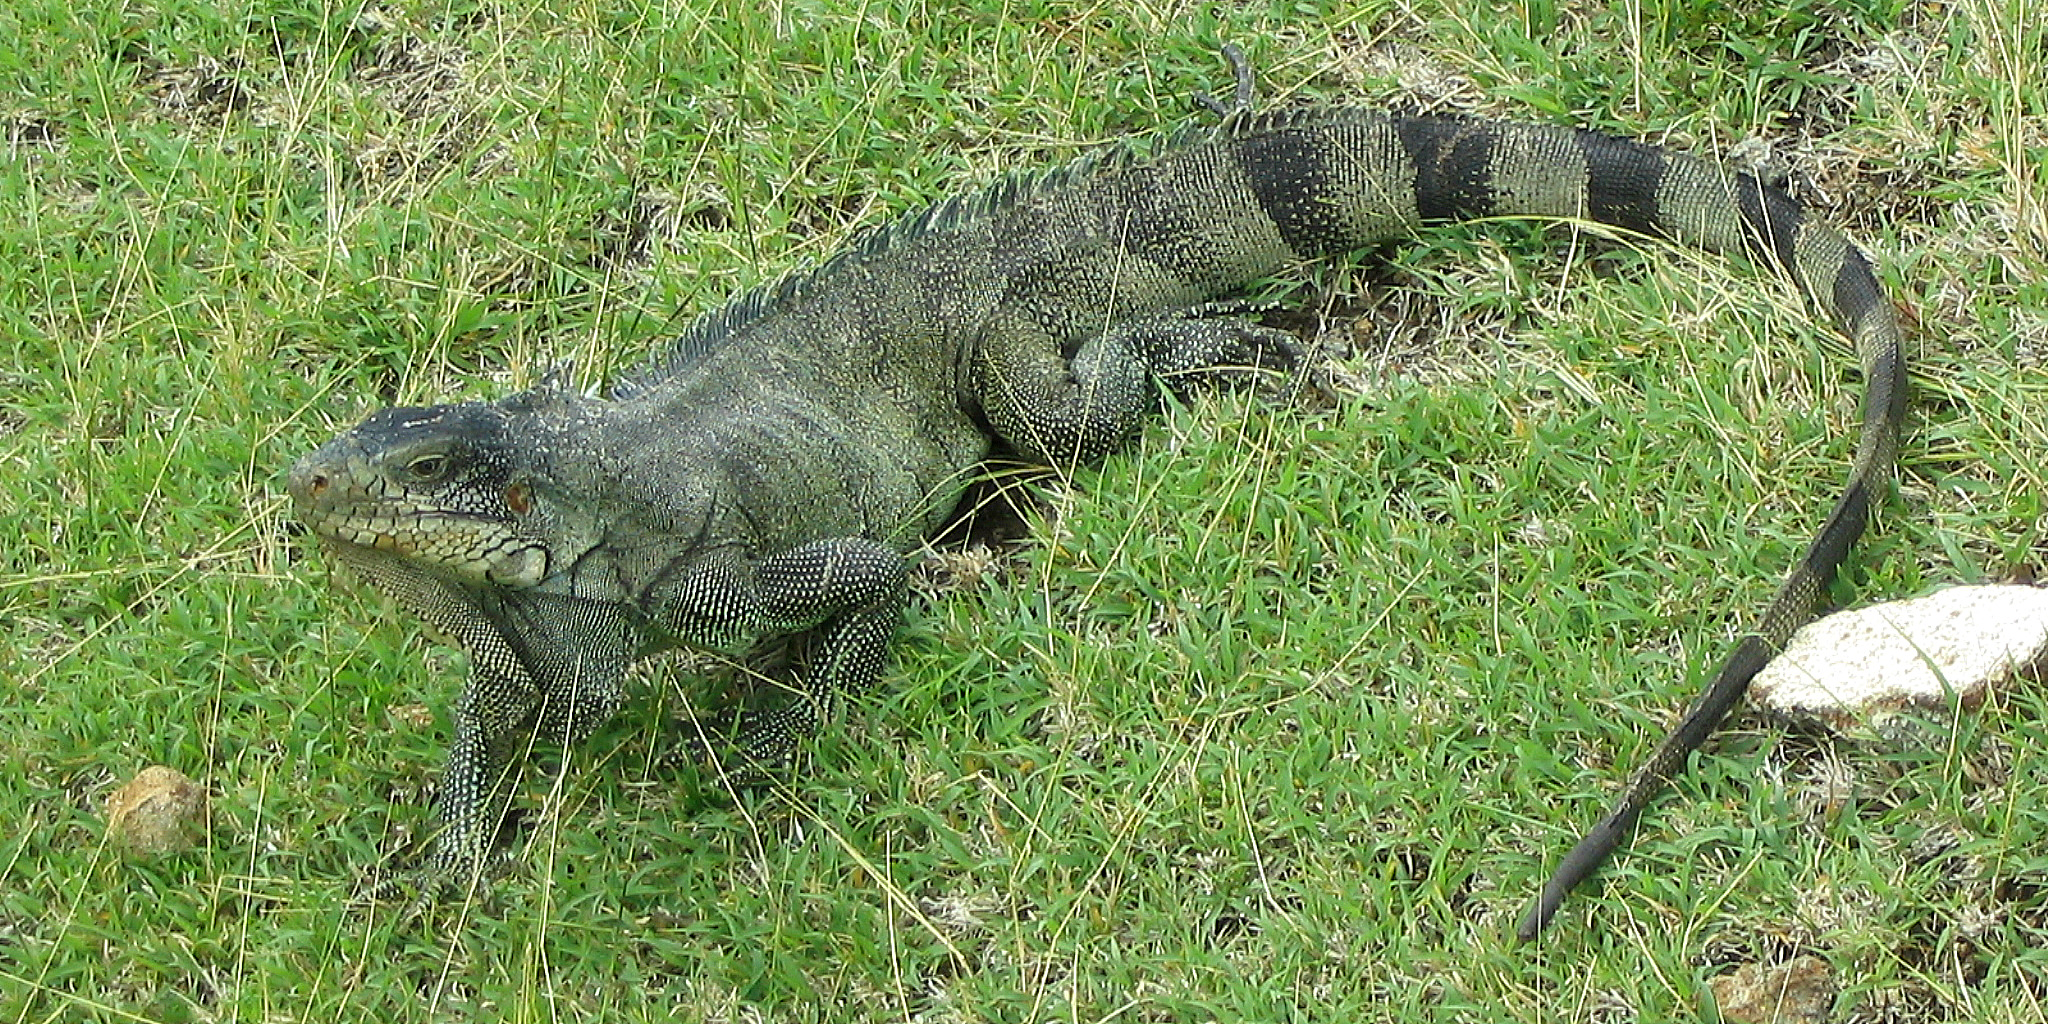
1859,667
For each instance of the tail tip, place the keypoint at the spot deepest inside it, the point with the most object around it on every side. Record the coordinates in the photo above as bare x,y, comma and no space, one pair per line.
1540,912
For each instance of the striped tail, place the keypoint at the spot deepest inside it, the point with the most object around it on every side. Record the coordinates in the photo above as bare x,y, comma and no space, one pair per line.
1391,175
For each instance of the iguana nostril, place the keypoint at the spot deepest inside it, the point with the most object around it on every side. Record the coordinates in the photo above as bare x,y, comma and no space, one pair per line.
306,484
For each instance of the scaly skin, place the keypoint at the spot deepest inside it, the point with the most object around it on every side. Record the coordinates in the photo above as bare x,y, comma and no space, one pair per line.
766,475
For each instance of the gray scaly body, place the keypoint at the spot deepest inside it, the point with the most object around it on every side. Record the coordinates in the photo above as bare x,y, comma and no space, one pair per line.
766,476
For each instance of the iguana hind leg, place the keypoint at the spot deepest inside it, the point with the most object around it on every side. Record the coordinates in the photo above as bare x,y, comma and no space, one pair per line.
1065,410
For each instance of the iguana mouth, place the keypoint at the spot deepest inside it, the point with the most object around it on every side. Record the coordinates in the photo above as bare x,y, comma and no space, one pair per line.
463,546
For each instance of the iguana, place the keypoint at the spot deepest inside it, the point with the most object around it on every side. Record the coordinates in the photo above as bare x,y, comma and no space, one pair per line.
768,473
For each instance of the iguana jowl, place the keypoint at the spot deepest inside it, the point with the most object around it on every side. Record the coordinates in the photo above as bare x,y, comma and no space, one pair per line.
766,475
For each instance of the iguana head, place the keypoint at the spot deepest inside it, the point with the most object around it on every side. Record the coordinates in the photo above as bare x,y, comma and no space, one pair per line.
437,486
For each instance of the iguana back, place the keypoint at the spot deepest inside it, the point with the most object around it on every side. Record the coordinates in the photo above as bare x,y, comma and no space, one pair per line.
765,475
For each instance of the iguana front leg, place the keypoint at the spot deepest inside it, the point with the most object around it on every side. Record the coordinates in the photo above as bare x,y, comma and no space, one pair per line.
850,589
541,664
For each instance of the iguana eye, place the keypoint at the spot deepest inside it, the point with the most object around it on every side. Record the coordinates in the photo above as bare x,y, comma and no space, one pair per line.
427,468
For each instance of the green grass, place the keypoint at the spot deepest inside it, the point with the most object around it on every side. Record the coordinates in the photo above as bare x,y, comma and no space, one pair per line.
1282,716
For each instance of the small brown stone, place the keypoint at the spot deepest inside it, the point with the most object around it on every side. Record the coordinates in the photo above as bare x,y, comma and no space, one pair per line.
158,813
1798,991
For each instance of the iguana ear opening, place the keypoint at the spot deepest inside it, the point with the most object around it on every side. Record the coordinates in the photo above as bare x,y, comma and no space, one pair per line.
519,498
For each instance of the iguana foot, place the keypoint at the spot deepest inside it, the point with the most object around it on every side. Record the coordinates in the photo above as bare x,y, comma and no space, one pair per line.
741,750
1215,344
417,885
1241,98
441,873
